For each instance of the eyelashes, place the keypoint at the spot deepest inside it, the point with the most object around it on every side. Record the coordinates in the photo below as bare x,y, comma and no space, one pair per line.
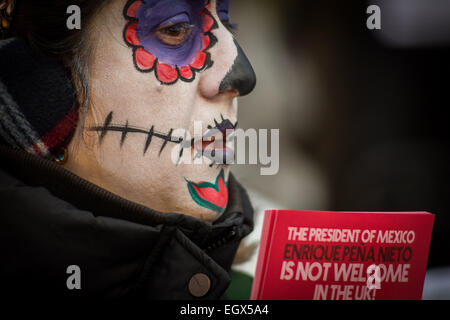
175,30
174,34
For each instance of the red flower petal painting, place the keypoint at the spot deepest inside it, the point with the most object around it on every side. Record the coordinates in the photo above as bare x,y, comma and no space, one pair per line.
146,61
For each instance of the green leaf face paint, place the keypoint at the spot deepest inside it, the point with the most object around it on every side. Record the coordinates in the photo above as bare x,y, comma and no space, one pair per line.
212,196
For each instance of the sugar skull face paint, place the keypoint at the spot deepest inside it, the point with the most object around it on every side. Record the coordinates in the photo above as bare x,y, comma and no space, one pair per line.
171,38
134,114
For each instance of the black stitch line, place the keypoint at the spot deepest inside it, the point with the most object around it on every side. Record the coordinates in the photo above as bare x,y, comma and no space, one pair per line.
125,130
121,129
182,148
149,140
104,129
180,155
218,126
124,135
165,141
224,125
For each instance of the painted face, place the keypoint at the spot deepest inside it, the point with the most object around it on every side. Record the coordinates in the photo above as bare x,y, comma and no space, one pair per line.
170,38
159,66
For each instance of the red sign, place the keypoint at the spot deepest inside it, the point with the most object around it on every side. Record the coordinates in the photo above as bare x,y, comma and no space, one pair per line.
317,255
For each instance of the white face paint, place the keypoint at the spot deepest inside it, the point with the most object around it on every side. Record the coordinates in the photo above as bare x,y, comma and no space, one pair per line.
123,160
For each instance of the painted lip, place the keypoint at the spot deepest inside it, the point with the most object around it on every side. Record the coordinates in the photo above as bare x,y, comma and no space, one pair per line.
215,143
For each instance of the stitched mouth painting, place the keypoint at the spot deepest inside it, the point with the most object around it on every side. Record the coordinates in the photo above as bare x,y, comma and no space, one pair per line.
212,146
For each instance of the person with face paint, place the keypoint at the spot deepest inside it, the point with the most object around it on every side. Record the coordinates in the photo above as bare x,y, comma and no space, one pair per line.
92,203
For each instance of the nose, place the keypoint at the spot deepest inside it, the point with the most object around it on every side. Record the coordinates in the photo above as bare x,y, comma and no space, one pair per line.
230,69
241,77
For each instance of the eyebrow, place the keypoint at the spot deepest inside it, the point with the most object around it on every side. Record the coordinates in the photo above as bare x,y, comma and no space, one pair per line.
162,10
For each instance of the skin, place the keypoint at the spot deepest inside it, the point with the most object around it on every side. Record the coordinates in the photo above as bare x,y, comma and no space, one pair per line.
141,100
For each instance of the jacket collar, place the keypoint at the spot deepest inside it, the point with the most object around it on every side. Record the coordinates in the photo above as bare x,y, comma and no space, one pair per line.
123,249
235,223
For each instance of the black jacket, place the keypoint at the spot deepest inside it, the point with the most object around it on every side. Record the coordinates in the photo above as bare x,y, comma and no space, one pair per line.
51,219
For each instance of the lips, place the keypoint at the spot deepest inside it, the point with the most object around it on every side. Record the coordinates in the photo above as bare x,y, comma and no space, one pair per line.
213,196
214,143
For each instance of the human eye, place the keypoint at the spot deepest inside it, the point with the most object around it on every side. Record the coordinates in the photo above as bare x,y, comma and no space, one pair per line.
174,31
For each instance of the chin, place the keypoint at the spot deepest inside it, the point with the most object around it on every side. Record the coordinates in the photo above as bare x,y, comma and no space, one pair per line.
201,213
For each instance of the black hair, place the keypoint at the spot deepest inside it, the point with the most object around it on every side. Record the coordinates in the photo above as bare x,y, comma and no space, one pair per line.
43,23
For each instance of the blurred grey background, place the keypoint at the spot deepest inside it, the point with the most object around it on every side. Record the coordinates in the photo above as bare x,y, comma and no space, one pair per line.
362,113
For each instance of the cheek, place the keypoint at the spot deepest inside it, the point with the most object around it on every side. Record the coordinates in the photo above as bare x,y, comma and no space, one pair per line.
134,96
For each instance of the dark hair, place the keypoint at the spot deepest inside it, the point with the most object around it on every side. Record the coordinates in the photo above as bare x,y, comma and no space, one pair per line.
44,24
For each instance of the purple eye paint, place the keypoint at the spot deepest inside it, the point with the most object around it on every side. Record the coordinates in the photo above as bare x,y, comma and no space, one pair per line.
170,62
156,13
178,19
223,9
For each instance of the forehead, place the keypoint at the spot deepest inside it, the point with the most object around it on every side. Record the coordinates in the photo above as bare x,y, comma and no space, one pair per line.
169,3
155,11
221,4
